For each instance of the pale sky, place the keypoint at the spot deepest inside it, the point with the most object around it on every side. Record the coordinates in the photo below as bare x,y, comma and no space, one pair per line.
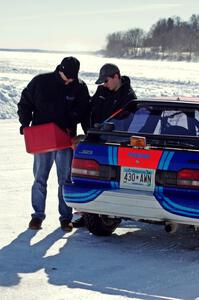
81,25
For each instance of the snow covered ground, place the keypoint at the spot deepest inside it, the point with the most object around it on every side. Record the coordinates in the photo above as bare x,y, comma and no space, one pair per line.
139,261
149,78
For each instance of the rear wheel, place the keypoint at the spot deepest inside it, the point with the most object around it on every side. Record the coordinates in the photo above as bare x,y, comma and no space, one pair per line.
101,225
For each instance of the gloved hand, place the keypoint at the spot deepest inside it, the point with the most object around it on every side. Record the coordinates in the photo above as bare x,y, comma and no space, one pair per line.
21,129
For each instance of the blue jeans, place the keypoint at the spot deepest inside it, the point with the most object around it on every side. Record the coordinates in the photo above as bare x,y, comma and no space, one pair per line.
41,168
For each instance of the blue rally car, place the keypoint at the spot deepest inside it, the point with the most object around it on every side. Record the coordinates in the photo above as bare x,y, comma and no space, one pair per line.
142,165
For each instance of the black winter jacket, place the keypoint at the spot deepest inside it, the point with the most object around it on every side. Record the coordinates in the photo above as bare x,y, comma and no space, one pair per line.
47,99
105,102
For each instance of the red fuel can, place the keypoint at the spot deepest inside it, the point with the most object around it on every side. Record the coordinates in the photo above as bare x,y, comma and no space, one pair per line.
45,138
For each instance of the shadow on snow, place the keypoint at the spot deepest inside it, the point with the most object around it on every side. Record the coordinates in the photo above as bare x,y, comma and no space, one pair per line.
142,261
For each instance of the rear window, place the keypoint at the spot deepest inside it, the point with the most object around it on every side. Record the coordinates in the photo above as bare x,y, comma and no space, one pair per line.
159,120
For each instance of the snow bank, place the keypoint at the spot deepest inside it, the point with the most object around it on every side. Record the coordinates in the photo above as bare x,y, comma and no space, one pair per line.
149,78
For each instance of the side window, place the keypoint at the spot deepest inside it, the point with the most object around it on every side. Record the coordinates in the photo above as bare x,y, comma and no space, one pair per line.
174,122
177,118
179,123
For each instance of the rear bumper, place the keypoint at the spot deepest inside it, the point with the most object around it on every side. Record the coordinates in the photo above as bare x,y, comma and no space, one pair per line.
128,204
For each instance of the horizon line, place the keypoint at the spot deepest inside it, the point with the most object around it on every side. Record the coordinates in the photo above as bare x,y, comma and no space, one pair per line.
47,51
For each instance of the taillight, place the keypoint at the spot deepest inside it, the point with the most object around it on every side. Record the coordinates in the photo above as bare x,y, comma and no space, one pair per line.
188,178
89,168
183,178
85,167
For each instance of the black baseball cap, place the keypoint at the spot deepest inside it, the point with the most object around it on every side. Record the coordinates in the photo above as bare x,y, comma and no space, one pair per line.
107,70
70,67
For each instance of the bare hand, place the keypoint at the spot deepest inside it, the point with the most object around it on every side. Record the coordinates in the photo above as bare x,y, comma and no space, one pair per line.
76,140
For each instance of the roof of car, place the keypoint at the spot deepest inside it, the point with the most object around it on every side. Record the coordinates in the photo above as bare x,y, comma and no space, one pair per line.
190,100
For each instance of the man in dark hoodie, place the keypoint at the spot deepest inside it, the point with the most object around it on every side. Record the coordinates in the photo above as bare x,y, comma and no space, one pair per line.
113,92
59,97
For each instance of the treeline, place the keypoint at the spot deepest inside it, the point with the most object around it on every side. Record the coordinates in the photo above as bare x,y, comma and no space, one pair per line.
169,38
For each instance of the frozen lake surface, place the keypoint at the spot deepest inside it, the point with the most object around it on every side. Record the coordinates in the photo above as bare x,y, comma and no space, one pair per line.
149,78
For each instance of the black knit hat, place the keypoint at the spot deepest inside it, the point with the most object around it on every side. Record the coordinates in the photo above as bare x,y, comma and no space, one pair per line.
107,70
70,67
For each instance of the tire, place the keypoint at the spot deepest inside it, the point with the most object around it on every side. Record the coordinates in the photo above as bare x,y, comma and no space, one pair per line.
101,225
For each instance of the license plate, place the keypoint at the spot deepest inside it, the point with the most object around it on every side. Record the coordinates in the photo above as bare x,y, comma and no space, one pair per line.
138,179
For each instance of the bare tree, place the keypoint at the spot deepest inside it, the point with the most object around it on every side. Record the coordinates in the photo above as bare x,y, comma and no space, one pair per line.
114,45
134,41
167,38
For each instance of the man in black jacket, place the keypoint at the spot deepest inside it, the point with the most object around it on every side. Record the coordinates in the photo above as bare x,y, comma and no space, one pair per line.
59,97
113,92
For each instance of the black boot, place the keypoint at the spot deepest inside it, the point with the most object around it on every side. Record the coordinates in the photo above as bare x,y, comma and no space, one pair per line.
35,224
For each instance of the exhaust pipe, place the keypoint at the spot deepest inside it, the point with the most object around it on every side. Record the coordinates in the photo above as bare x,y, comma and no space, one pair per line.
171,227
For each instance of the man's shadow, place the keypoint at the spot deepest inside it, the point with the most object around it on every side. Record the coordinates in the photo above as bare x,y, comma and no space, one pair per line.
22,257
78,264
